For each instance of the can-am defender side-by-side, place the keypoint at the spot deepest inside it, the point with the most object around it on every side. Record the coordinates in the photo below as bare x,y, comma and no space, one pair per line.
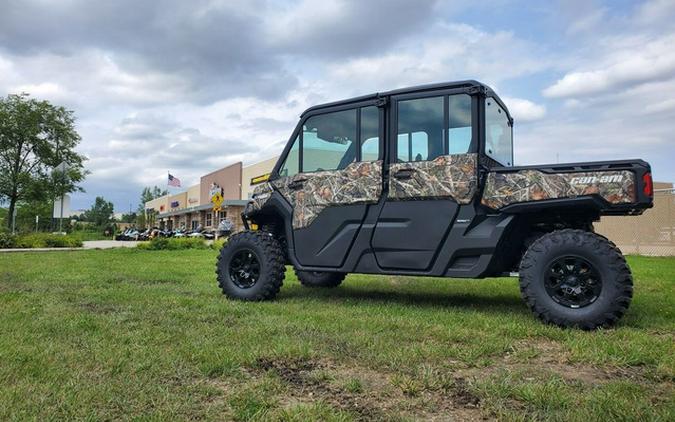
421,181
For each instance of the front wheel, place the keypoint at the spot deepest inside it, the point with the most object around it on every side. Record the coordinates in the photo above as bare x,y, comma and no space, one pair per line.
573,278
250,266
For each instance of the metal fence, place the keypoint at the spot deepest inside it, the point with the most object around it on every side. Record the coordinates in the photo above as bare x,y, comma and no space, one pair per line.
652,233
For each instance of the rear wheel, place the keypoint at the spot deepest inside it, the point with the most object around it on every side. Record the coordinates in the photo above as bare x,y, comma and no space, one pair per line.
574,278
319,278
250,266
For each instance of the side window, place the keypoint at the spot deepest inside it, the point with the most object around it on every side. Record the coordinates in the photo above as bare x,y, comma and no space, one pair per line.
412,146
420,129
498,134
291,165
328,141
370,133
459,122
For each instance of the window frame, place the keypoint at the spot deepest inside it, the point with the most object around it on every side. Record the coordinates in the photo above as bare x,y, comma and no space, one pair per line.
445,93
298,133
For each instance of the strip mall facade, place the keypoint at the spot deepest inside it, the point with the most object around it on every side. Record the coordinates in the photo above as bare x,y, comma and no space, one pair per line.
194,206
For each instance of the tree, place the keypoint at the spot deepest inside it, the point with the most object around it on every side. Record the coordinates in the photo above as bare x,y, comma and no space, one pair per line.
129,218
26,212
147,195
101,213
3,216
35,137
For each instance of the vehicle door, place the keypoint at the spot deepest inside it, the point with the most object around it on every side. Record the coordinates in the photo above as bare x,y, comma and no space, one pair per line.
332,173
432,170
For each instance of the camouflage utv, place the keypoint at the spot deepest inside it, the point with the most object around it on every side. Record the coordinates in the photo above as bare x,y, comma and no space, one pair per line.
421,182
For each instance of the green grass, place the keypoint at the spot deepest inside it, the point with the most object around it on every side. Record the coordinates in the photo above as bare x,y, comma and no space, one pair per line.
129,333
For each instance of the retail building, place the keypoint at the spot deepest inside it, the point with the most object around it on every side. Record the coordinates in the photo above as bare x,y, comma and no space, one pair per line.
194,207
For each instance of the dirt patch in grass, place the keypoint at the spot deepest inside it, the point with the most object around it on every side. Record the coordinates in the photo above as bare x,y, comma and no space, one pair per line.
14,288
547,356
309,381
463,395
365,393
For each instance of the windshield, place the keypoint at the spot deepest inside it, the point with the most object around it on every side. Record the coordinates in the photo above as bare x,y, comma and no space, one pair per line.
498,133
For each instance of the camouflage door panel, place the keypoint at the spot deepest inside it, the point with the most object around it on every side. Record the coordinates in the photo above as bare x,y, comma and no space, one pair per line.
358,183
447,176
261,194
502,189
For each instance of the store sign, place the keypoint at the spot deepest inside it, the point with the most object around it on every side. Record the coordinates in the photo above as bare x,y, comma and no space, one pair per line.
215,188
193,200
175,204
216,195
161,207
260,179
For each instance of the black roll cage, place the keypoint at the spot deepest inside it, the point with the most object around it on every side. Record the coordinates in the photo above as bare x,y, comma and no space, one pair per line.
389,100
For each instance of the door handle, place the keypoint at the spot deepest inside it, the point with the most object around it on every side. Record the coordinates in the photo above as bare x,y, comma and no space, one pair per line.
296,184
404,174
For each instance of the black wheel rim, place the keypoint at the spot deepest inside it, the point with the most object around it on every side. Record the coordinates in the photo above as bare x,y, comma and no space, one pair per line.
244,268
573,282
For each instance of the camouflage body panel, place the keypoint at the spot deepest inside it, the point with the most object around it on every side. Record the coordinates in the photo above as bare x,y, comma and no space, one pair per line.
502,189
447,176
358,183
261,194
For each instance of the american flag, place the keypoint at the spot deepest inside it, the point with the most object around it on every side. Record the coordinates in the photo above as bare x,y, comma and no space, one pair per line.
174,181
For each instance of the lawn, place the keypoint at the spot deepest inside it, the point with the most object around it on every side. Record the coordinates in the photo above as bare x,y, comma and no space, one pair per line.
121,333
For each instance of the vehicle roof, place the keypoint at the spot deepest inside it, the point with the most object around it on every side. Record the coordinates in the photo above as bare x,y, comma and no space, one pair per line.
410,90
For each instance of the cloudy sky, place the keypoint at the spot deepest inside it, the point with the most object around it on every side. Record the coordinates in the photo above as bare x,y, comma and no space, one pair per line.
191,86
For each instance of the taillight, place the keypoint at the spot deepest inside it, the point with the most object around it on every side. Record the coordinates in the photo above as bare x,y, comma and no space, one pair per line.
648,184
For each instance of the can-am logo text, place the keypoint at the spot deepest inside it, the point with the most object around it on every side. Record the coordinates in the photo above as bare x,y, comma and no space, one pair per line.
584,180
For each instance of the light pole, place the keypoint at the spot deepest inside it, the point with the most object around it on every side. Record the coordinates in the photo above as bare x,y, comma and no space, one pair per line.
13,217
59,173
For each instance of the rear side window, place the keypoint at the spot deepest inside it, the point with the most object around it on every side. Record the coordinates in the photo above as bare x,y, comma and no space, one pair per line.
420,129
434,126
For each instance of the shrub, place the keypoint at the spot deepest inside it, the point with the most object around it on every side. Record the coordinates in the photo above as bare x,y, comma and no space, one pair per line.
45,240
218,244
7,240
172,244
56,241
89,234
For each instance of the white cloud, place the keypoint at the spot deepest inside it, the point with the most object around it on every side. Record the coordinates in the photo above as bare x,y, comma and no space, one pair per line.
196,87
447,52
660,106
47,90
523,110
638,62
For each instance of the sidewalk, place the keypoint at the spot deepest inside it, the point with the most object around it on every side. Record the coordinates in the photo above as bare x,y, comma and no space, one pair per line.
89,244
